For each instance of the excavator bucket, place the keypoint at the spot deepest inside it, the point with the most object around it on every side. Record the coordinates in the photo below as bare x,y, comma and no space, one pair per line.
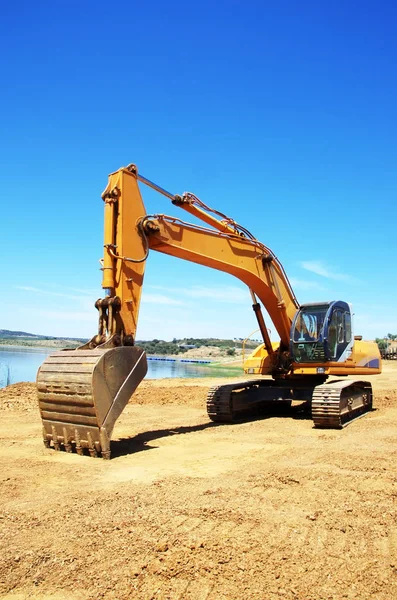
81,394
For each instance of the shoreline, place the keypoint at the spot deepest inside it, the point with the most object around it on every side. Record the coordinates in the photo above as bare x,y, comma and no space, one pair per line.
15,347
204,361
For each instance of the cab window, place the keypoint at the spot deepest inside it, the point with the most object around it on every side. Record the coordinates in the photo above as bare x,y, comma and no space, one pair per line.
348,327
333,333
341,331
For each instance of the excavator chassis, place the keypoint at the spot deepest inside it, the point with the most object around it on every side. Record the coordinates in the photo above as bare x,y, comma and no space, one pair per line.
227,403
81,394
334,404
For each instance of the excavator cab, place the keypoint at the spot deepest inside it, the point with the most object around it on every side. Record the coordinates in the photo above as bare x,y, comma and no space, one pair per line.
322,333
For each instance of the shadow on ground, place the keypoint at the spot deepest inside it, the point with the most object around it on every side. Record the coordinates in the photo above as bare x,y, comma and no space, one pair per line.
140,442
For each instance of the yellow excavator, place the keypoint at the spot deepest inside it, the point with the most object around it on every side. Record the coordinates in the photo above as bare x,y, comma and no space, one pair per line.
82,392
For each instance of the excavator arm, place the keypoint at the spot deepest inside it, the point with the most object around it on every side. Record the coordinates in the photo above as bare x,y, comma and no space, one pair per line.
82,392
130,233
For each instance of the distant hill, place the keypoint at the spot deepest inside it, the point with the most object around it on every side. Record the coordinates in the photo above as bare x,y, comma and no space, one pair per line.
6,333
187,346
23,338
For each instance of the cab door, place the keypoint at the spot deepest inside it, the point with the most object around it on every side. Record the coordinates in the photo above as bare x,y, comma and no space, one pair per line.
338,332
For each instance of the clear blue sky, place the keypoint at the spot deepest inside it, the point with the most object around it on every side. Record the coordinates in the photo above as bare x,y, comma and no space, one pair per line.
280,114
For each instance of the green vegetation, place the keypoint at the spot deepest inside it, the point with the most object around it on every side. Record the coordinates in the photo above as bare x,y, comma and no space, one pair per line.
5,375
159,347
383,342
223,370
182,345
198,342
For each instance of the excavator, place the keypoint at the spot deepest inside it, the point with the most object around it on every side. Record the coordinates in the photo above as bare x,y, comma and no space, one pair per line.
82,392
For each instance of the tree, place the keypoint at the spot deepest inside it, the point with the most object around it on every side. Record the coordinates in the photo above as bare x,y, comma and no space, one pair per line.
382,343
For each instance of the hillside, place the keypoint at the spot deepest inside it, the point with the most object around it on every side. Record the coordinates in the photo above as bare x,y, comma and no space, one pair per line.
6,333
188,347
23,338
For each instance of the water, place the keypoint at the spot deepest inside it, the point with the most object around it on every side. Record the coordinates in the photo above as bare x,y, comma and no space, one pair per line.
21,364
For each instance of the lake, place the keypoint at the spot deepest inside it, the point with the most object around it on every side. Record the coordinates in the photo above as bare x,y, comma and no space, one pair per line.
21,364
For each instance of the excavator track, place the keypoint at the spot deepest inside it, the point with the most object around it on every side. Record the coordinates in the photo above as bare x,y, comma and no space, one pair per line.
81,393
334,404
225,403
337,403
219,403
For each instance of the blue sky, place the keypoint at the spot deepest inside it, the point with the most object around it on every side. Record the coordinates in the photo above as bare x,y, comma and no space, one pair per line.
281,115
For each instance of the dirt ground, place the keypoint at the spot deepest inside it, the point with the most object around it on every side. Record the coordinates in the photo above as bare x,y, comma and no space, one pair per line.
264,509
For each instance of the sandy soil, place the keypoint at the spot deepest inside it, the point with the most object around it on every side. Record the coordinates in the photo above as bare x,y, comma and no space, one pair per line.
186,509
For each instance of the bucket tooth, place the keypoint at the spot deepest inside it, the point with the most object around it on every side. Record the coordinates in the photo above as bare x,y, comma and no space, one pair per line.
91,446
79,449
46,438
55,440
105,443
81,394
